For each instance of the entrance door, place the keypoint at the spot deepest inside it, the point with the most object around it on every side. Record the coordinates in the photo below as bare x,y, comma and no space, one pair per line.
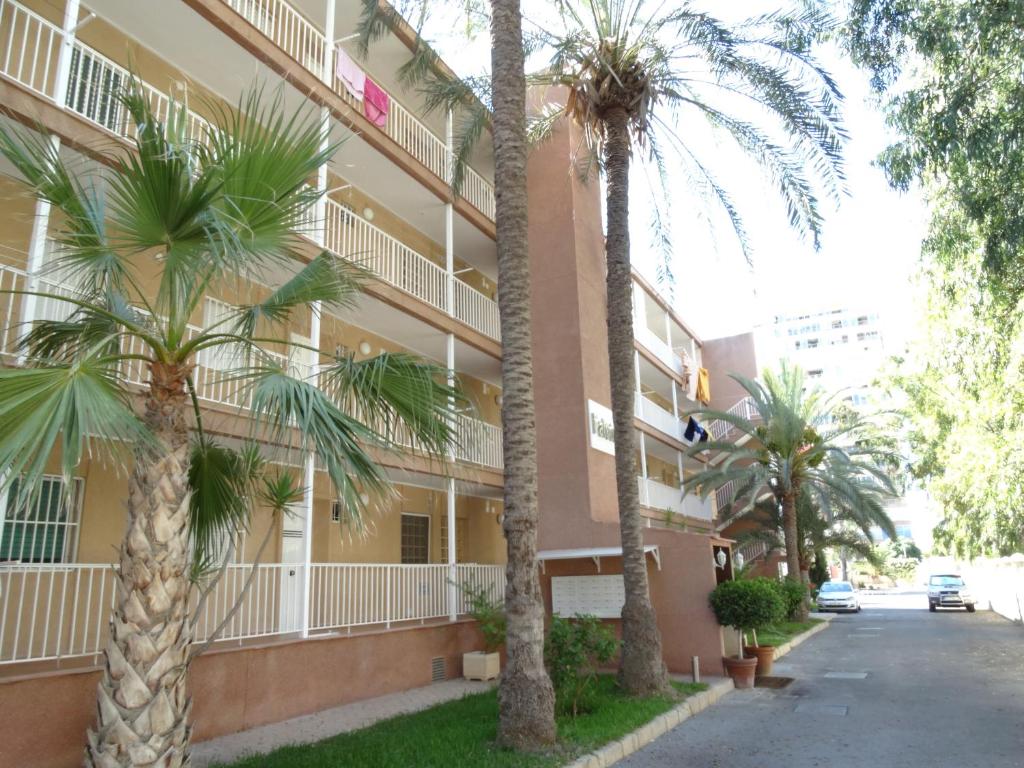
293,554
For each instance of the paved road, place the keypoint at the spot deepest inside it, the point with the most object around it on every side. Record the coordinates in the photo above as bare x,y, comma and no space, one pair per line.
941,690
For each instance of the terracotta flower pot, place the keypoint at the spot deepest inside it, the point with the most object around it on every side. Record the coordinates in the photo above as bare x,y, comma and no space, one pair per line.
765,655
741,671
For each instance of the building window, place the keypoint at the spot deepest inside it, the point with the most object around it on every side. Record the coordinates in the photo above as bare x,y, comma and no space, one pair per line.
862,320
93,85
812,343
814,374
461,534
415,539
45,528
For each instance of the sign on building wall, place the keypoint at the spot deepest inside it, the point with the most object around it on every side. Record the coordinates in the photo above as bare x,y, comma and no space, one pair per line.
602,428
601,596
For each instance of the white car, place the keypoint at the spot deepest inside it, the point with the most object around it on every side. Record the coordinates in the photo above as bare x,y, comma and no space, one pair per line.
948,590
838,596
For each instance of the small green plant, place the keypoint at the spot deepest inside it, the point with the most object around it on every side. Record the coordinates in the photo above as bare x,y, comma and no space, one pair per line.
747,605
793,594
489,614
574,650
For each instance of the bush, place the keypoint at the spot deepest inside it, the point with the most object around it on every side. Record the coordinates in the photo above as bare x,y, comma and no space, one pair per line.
490,615
749,604
573,651
793,594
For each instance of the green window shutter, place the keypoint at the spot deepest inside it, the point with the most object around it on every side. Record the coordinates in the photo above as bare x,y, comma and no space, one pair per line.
35,532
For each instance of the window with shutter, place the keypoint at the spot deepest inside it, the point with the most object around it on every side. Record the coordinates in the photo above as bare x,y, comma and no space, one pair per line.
43,528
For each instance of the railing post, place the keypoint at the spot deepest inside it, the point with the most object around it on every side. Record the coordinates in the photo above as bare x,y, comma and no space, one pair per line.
387,596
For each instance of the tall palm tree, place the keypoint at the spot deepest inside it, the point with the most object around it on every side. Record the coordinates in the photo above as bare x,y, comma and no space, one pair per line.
526,701
795,447
203,214
636,72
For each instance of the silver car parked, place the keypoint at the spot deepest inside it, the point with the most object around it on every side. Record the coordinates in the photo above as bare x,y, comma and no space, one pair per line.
838,596
948,590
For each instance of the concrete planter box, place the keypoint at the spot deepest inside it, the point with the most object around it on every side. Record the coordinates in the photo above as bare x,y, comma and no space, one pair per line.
479,665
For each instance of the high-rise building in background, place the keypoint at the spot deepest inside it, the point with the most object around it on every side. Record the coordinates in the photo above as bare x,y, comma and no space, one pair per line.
840,350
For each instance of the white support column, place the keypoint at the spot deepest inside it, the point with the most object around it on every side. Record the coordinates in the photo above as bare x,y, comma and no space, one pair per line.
675,399
315,308
41,220
453,589
643,468
449,268
449,224
638,396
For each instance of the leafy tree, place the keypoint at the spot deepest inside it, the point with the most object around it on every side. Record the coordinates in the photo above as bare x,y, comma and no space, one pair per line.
949,74
795,451
202,214
574,650
747,604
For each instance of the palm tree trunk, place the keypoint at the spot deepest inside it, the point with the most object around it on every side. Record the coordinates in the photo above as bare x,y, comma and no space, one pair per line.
642,670
526,700
789,529
143,706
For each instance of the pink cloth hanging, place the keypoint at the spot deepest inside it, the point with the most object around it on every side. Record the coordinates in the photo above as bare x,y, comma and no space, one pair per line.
375,104
350,74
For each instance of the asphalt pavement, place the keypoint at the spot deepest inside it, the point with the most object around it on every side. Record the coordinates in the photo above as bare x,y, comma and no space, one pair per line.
891,687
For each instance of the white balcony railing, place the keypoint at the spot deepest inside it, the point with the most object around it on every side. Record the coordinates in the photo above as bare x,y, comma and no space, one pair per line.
745,409
652,413
28,54
478,442
659,348
301,39
657,495
60,611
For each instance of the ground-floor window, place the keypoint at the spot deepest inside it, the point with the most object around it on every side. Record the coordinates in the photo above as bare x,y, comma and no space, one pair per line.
415,539
43,529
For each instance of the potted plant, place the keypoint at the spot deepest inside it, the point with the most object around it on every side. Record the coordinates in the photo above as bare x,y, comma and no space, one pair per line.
485,664
745,606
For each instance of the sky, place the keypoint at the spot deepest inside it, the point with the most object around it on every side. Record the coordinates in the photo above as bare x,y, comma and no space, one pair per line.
870,243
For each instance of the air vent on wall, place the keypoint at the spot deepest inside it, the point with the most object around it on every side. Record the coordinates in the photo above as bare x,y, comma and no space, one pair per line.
437,670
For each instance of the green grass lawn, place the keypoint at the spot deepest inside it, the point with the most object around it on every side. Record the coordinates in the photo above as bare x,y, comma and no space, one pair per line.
462,732
785,631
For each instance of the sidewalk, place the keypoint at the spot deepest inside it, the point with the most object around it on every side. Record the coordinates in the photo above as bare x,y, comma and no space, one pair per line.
329,722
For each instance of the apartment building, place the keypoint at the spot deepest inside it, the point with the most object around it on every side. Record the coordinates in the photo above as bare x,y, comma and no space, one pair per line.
332,616
839,349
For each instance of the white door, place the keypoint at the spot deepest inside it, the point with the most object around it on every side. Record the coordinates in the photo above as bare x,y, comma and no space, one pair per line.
293,554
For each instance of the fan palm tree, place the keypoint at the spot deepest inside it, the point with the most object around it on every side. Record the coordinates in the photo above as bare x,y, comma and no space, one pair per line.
794,447
636,73
201,214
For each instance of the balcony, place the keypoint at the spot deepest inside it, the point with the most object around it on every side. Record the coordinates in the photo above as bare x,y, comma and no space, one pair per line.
662,497
653,344
303,41
651,413
28,55
62,611
478,442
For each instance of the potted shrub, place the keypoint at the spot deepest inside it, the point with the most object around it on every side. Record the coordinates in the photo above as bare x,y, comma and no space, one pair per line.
745,606
485,664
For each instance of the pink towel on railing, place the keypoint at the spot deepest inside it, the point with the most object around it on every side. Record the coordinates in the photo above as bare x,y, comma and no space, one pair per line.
350,74
375,104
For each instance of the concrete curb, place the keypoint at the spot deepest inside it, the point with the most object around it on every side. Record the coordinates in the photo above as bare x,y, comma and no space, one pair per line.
826,620
614,751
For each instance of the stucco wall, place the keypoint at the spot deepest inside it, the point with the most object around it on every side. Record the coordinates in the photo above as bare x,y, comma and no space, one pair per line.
236,689
730,354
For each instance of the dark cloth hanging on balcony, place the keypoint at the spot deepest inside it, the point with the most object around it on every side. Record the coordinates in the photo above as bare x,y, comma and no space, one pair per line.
695,432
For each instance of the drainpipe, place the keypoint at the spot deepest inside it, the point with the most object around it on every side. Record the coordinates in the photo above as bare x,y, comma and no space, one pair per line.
320,236
41,220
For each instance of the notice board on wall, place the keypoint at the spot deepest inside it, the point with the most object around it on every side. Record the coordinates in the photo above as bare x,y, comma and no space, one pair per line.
601,596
